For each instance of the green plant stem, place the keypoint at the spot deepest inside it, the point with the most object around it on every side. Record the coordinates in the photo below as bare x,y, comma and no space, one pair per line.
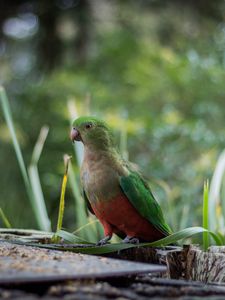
205,220
39,144
5,219
62,197
9,122
85,226
216,222
44,221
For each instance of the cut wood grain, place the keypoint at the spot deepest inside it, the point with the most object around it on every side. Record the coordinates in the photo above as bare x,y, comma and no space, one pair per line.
206,266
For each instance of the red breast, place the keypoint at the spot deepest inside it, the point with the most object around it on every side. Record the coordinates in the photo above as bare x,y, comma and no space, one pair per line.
120,213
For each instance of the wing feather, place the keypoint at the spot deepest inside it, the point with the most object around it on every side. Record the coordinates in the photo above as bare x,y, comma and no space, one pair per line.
139,194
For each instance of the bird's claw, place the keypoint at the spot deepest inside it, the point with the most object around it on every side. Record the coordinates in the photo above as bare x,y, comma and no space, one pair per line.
131,240
103,241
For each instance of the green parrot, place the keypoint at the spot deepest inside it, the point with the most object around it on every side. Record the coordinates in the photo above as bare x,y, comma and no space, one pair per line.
114,190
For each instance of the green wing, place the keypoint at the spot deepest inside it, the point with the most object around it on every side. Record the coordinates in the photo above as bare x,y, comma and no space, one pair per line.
141,197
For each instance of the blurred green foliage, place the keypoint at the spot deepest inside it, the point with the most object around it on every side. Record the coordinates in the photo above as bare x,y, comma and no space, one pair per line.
154,69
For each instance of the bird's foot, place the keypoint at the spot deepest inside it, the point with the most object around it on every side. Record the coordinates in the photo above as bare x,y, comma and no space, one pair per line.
104,240
131,240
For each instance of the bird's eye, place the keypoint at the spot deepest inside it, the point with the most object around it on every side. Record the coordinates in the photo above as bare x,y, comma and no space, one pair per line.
88,126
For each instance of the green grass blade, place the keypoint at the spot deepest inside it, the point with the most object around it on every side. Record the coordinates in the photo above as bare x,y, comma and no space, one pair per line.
108,248
70,237
183,234
92,249
184,216
9,122
39,145
5,219
43,219
173,238
205,221
92,230
86,226
214,194
62,197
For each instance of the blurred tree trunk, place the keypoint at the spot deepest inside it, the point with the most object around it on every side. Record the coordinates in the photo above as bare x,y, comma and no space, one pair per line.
83,17
50,46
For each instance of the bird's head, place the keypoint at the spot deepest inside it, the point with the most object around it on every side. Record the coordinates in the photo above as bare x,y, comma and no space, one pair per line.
91,131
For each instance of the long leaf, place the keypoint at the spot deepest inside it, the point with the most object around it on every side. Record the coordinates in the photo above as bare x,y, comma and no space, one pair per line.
62,197
70,237
173,238
214,194
4,219
45,223
39,145
183,234
8,117
205,215
86,226
92,230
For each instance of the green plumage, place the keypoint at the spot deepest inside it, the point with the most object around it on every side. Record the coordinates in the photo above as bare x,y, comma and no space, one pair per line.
141,197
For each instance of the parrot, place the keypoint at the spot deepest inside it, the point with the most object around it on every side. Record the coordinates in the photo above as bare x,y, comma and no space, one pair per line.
114,189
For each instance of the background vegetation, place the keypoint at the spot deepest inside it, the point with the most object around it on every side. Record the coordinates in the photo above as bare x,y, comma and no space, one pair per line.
154,70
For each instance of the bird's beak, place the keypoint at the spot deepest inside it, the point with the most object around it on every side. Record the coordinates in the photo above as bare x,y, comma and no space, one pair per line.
75,135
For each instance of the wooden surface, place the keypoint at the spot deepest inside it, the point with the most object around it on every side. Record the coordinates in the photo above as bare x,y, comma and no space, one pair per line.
183,263
25,264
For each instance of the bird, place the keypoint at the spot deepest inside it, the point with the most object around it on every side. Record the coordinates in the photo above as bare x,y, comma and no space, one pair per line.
114,190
